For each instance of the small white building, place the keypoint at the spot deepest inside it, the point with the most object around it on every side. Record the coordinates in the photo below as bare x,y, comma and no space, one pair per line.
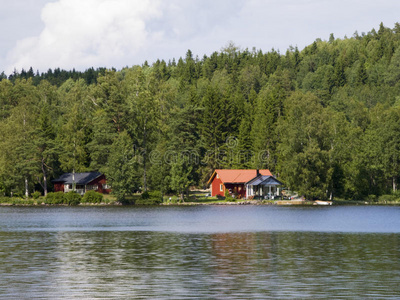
263,187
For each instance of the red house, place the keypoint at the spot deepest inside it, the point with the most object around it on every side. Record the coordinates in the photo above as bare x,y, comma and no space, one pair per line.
83,182
237,182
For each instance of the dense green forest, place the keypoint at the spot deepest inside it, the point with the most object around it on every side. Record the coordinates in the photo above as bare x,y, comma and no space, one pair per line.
324,120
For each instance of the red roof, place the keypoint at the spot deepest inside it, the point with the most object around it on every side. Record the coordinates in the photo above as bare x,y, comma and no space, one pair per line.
238,176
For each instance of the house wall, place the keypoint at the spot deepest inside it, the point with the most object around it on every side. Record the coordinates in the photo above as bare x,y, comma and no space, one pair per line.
238,188
59,187
99,182
215,187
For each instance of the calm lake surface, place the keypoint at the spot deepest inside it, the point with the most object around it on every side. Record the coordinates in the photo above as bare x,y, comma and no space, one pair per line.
200,252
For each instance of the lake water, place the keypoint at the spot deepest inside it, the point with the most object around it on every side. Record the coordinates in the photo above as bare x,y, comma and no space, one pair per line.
200,252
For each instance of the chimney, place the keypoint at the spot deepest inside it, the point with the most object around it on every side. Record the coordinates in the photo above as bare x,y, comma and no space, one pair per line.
258,173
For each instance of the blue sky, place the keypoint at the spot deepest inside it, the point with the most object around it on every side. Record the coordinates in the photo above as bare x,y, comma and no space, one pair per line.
116,33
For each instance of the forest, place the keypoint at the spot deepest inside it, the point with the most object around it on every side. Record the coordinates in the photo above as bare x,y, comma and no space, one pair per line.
325,120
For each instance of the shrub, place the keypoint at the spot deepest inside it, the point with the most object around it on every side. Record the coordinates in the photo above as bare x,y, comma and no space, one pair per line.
72,198
155,195
145,195
15,201
5,200
148,201
372,198
36,195
54,198
388,198
228,196
92,197
22,202
16,194
219,197
150,198
173,200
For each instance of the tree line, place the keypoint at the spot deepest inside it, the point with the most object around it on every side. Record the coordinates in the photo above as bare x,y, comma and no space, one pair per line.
325,120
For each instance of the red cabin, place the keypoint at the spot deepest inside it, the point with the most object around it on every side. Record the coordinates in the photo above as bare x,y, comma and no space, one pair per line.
84,182
233,180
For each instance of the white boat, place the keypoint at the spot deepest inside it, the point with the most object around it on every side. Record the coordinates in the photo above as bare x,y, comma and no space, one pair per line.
320,202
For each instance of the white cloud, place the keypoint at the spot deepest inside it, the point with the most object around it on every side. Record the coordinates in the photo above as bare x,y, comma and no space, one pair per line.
116,33
85,33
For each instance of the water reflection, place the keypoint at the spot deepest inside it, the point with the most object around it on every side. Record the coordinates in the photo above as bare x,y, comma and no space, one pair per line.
256,265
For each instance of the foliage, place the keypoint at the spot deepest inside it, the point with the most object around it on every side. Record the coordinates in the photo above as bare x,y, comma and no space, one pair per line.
228,196
54,198
155,195
36,195
145,195
150,198
388,198
325,120
148,202
121,169
16,201
70,198
92,197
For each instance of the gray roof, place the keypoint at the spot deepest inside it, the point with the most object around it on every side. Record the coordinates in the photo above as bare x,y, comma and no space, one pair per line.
80,178
264,180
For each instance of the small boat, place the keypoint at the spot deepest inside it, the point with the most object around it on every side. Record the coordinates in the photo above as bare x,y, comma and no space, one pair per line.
320,202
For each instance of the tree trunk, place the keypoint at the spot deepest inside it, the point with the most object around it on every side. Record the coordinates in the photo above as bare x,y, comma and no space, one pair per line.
73,180
26,188
394,180
44,178
144,158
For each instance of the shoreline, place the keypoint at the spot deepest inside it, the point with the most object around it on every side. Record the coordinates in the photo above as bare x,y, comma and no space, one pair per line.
247,202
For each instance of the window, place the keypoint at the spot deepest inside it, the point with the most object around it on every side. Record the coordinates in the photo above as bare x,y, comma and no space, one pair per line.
221,187
106,186
217,175
92,187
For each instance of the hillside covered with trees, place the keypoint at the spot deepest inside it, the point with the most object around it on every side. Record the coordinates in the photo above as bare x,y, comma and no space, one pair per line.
325,120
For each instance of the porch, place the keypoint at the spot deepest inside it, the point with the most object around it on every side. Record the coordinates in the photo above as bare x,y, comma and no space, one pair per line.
263,187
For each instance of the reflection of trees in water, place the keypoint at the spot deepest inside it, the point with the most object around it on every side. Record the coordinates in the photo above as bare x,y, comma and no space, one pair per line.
180,265
236,253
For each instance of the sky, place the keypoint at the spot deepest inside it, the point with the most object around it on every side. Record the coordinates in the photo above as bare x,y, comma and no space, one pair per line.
80,34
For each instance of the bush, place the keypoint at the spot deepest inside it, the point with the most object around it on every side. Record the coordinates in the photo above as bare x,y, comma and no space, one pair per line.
228,196
4,200
54,198
92,197
219,197
172,200
36,195
155,195
72,198
22,202
148,201
388,198
150,198
15,201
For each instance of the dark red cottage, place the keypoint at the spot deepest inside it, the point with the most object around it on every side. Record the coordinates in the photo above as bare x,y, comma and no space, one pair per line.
83,182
